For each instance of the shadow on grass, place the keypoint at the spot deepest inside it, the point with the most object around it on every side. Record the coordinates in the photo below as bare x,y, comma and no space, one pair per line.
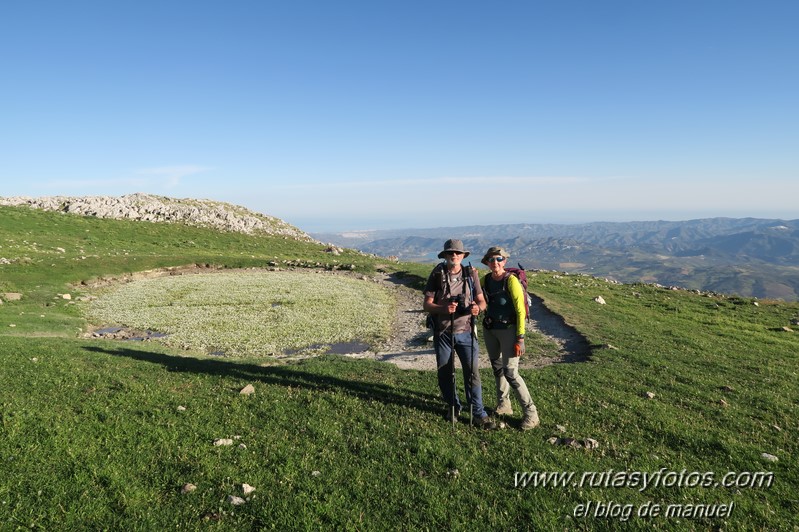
290,375
576,347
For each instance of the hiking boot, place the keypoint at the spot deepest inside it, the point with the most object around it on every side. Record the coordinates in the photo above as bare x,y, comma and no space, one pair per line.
530,420
485,423
504,408
448,415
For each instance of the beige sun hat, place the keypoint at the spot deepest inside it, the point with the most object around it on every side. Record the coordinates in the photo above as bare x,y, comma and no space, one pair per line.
494,250
453,245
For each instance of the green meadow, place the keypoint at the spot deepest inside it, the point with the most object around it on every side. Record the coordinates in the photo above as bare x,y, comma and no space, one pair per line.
691,399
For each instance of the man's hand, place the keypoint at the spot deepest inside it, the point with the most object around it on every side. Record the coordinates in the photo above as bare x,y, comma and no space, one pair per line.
475,308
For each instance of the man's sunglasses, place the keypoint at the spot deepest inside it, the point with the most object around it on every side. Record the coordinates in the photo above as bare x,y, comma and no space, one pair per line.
496,259
454,252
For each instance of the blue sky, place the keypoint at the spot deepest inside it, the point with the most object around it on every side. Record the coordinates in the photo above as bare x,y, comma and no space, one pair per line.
385,114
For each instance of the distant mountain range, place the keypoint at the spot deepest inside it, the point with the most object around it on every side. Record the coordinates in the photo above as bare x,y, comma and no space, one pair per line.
746,256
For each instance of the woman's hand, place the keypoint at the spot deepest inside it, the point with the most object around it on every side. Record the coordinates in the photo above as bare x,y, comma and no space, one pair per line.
518,349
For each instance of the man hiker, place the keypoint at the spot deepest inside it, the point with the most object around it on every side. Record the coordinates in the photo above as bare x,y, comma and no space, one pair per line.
453,298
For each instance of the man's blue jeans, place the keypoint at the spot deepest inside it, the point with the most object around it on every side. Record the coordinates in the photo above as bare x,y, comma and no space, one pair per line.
467,352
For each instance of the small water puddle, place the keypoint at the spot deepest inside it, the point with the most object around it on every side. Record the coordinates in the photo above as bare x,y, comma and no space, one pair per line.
126,333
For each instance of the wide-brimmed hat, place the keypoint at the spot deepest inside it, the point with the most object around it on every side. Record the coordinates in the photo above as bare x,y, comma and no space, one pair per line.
494,250
453,245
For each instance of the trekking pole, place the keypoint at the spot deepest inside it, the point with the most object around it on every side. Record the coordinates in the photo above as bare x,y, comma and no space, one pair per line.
472,363
471,374
452,363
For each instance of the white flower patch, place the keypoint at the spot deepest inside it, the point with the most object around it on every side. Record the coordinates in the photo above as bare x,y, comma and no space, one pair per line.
249,313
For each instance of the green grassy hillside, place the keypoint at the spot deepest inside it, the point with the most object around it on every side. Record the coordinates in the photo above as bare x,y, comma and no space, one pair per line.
98,434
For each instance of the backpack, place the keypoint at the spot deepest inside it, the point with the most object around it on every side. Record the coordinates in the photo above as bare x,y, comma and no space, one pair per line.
522,276
438,272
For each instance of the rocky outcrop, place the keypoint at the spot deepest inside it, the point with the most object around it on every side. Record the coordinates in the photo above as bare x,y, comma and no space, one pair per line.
151,208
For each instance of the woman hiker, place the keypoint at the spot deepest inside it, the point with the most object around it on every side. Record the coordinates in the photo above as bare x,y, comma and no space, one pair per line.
503,331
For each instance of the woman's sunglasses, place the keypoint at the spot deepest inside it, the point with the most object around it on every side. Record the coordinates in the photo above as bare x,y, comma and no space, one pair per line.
496,259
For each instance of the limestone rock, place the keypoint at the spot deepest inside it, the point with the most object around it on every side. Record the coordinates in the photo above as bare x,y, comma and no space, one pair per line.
235,500
151,208
590,443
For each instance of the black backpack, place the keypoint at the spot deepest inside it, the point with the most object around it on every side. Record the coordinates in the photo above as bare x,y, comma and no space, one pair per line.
522,276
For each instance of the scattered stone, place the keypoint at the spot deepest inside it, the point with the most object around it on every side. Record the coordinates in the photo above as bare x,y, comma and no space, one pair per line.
611,347
756,304
12,324
235,500
242,446
649,395
247,489
315,473
187,488
223,441
61,250
600,300
12,296
181,408
247,390
590,443
502,425
453,473
724,403
787,329
777,428
35,359
769,457
66,296
560,428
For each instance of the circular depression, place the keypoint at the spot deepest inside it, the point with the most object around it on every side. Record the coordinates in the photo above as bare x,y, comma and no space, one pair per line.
251,313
